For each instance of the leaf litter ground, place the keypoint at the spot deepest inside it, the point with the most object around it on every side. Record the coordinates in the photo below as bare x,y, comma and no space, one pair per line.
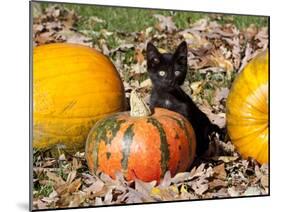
217,53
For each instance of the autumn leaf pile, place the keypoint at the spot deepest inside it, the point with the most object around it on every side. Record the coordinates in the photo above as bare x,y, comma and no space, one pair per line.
217,52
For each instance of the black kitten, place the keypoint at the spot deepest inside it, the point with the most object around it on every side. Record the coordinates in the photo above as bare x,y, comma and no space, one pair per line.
167,72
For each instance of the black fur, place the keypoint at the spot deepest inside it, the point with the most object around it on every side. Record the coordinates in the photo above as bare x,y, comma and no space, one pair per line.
167,72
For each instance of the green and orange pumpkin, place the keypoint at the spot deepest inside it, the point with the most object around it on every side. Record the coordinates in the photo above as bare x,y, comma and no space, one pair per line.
73,87
141,146
247,110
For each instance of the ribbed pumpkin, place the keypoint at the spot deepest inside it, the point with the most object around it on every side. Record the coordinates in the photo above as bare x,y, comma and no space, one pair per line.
141,146
73,87
247,110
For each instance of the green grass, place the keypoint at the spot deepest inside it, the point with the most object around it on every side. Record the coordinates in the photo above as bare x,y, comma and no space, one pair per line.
44,190
132,19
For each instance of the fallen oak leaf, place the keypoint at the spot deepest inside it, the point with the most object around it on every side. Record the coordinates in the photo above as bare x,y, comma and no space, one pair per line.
221,193
133,196
218,60
220,94
196,172
138,57
146,83
218,119
196,87
217,183
232,192
180,177
184,194
55,178
252,191
166,181
122,47
226,159
77,199
165,194
98,201
39,204
71,176
264,181
74,186
199,186
219,171
165,23
200,25
144,187
108,197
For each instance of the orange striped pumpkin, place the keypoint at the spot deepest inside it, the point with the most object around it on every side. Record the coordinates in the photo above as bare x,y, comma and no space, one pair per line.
141,147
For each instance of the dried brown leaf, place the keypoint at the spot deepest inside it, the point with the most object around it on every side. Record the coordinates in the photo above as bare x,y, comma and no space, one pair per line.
166,181
139,57
98,201
226,159
199,186
108,197
144,187
196,172
219,171
165,23
218,119
165,194
217,183
71,176
40,204
55,178
220,94
232,192
77,199
180,177
264,181
252,191
74,186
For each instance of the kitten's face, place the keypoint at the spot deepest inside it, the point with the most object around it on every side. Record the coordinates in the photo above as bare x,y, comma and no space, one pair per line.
167,70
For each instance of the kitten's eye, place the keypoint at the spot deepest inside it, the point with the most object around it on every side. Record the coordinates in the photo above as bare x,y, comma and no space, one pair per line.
162,73
177,73
155,60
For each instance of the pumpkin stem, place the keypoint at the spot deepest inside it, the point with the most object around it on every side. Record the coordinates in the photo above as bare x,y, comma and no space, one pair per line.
138,106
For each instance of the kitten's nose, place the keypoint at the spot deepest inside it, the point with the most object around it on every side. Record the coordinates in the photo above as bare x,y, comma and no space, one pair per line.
173,83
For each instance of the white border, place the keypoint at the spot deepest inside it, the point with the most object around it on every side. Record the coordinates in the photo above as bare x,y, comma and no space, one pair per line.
14,102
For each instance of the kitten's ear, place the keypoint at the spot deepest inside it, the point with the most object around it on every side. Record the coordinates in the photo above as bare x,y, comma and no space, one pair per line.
180,55
181,49
152,54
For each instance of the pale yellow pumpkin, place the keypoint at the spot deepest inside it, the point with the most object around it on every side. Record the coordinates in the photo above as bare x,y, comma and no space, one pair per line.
247,110
73,87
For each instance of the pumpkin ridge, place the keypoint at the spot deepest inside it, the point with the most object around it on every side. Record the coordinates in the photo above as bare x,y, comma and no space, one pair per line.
101,134
250,120
254,131
126,145
178,121
261,154
261,130
164,146
182,126
246,101
189,140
